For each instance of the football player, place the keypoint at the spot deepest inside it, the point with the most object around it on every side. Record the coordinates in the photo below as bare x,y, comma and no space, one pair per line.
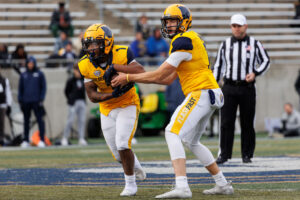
188,60
119,107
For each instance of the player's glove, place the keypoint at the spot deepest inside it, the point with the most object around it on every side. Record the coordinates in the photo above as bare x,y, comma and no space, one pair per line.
119,91
109,74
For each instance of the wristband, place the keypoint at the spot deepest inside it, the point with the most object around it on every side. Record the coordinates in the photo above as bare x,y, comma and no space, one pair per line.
127,77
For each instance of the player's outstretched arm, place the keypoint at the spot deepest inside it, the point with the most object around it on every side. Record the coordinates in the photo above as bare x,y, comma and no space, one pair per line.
94,95
159,76
132,68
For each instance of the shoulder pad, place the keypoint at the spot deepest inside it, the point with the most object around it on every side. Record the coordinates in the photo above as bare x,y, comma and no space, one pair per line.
182,43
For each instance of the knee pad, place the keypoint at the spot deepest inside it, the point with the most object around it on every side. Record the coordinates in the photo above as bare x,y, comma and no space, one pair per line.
202,153
175,146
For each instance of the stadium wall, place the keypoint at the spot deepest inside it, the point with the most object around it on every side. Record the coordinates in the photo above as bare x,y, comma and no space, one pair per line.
273,89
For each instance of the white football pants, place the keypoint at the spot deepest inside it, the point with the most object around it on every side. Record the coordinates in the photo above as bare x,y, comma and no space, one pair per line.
188,124
119,128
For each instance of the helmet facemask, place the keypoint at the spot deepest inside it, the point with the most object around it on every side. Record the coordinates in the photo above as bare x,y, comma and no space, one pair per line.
165,29
91,46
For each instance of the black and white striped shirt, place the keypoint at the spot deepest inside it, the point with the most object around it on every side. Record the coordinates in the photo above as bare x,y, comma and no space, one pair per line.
237,58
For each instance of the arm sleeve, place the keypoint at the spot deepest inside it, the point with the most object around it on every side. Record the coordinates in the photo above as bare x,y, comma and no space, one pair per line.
130,56
219,66
263,58
8,93
182,44
177,57
68,88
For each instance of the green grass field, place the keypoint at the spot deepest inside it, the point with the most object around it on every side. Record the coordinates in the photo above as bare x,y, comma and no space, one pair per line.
147,149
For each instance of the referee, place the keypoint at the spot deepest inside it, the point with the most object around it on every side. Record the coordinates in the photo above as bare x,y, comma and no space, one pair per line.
240,60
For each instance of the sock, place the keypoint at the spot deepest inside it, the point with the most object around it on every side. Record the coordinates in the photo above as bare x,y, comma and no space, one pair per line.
130,181
181,182
220,179
137,164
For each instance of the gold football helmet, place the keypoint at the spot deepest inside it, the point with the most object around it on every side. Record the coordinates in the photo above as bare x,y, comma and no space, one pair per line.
180,13
98,36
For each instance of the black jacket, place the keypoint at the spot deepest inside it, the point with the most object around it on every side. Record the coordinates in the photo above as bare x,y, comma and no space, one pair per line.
297,84
55,17
74,90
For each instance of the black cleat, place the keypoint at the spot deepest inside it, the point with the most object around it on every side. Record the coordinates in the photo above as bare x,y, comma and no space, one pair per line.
247,160
221,160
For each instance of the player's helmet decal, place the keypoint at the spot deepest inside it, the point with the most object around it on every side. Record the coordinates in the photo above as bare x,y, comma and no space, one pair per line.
177,12
101,37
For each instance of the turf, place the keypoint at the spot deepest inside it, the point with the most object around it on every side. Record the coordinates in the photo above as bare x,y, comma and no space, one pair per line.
147,149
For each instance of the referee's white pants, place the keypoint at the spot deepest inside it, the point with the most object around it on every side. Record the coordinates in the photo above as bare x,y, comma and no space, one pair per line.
119,128
188,124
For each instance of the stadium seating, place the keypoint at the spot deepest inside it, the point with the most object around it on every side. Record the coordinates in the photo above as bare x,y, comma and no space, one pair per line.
269,21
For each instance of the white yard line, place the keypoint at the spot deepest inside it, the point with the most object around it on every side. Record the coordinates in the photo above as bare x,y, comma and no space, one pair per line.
259,164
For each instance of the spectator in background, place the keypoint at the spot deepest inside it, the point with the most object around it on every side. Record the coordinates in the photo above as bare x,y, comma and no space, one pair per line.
138,47
290,121
157,48
19,57
70,56
61,21
5,104
31,95
143,27
59,50
174,96
75,93
61,43
3,56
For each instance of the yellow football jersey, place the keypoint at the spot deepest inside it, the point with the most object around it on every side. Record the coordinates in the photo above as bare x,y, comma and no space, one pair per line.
87,69
193,74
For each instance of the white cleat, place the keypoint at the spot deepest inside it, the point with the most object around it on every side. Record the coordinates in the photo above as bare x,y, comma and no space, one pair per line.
177,193
82,142
25,144
140,174
226,189
41,144
127,192
64,142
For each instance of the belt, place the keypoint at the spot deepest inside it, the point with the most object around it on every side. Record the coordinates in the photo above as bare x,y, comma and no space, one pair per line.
237,83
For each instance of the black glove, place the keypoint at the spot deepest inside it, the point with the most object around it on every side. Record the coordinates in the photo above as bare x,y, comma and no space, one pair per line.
42,109
118,91
8,110
109,74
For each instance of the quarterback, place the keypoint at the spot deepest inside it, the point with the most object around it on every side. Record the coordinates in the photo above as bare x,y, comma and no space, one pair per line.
119,107
188,60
